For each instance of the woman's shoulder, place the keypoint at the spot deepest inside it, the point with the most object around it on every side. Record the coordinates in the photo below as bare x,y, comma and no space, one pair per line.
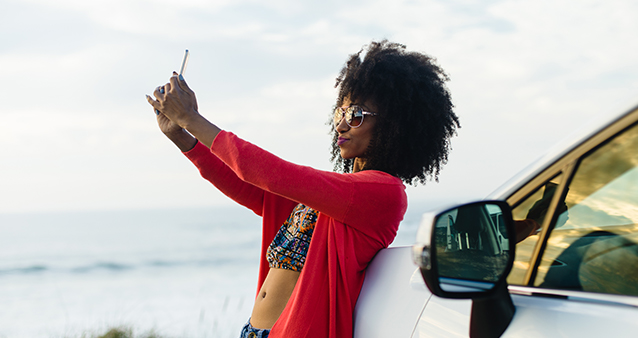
378,183
376,176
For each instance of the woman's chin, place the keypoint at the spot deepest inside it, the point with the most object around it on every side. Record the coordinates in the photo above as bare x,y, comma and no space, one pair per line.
345,155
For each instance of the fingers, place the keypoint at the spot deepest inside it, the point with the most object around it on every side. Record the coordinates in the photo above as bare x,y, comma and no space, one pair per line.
181,82
174,82
159,91
159,94
178,82
153,103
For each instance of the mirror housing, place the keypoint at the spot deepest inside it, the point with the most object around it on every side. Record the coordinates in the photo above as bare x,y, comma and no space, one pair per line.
466,252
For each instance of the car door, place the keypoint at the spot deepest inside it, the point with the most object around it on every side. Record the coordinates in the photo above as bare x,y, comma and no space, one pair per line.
576,271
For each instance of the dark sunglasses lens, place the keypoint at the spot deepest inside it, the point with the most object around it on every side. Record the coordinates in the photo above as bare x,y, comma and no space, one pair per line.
354,116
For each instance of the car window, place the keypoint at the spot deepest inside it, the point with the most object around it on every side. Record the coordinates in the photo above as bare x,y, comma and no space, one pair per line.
593,245
529,215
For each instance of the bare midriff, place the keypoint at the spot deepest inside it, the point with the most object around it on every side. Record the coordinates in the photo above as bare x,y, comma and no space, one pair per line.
272,297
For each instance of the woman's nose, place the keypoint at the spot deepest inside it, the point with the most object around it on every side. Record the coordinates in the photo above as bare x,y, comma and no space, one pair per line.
342,126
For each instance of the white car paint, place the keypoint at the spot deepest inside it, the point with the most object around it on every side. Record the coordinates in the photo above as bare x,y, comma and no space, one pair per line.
444,318
392,296
535,317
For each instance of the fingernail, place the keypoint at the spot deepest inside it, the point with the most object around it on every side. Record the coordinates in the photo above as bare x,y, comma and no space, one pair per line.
181,78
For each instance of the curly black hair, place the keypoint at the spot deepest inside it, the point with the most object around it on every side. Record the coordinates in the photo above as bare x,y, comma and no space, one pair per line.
415,120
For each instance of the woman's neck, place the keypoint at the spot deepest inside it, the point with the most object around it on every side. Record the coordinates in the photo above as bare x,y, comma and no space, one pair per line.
359,164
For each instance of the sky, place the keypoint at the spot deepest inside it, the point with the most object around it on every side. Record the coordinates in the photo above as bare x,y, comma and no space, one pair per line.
76,132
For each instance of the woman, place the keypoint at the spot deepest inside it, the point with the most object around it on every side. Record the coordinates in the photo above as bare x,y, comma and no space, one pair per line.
392,124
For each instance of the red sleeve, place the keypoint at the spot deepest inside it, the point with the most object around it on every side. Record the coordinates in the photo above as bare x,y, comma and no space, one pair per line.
223,178
359,200
274,209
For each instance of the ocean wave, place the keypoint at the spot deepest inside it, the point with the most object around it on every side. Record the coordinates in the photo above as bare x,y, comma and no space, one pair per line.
24,270
114,266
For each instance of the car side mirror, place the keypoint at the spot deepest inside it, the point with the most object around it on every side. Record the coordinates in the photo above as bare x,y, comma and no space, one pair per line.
467,252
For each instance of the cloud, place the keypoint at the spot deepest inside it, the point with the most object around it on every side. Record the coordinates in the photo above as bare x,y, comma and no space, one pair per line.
522,76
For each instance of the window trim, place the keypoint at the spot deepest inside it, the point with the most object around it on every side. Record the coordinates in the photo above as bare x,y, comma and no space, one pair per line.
584,296
548,224
566,166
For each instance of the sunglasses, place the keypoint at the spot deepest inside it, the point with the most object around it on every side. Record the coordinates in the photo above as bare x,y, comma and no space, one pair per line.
353,114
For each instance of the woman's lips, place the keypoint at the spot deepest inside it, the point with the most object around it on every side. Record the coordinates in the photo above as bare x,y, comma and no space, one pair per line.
341,141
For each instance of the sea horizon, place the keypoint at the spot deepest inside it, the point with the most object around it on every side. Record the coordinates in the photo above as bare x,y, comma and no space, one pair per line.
183,272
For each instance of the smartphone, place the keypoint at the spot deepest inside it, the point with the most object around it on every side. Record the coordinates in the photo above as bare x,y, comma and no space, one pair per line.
184,63
181,72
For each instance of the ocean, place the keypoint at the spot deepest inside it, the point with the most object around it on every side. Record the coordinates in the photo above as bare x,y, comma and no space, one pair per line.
174,272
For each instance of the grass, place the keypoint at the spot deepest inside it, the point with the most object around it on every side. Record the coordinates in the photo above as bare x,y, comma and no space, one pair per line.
123,332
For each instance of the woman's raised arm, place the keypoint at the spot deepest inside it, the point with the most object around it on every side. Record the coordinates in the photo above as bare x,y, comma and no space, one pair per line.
175,102
361,200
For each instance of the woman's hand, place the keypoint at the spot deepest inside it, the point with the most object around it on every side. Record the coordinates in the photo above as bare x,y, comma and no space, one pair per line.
176,101
180,137
177,115
167,126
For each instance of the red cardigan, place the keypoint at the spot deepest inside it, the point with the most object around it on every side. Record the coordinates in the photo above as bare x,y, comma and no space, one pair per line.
359,214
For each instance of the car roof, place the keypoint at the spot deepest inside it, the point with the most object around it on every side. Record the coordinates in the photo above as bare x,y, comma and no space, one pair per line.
555,153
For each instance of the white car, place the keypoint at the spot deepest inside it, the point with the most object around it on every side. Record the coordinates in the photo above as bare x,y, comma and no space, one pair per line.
552,253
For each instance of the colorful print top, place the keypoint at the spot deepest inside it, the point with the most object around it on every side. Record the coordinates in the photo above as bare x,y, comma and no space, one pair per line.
289,247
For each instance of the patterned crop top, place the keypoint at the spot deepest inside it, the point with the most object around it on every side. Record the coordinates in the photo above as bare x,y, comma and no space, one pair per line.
289,248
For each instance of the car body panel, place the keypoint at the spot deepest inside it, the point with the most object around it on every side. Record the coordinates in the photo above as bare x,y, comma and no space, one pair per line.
553,317
392,296
535,317
444,318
